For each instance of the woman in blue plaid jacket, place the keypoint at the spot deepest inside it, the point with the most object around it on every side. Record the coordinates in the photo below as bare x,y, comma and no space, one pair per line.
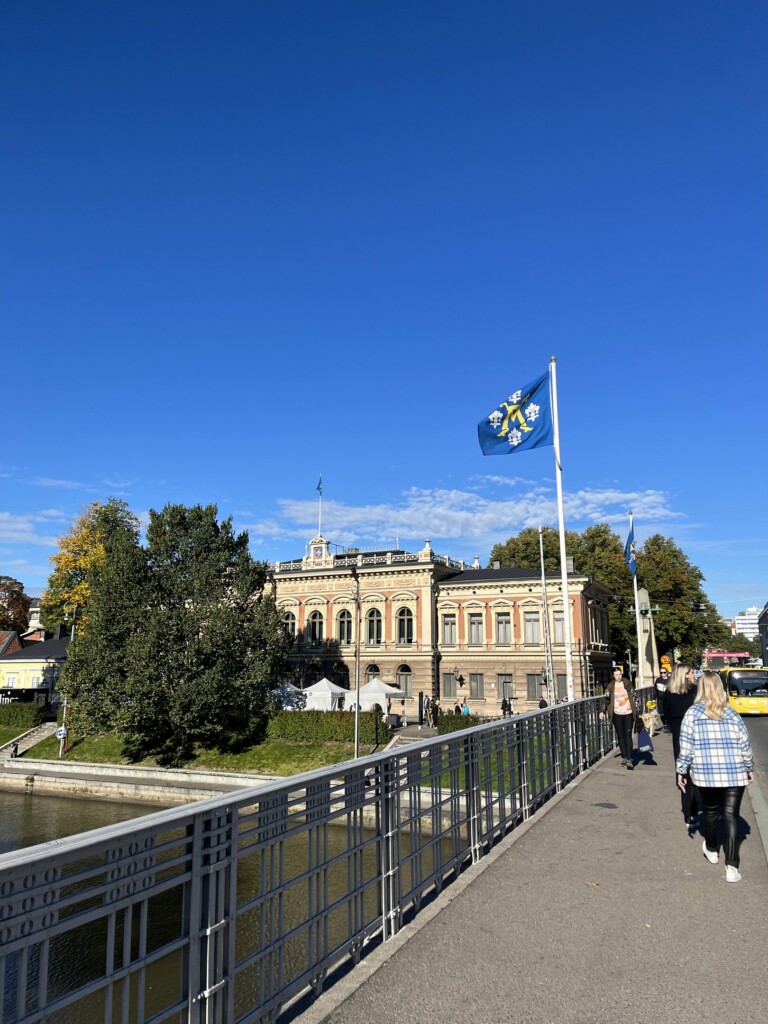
715,750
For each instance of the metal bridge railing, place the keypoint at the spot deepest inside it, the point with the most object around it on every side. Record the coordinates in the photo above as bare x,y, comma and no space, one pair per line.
222,911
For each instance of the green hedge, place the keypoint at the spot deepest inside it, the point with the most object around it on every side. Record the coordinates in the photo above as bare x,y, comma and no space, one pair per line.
25,716
453,723
335,726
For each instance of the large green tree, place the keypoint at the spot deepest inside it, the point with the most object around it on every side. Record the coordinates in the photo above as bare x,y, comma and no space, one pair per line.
14,605
183,639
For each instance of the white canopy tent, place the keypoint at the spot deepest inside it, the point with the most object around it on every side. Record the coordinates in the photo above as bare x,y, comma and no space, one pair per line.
286,695
377,692
323,696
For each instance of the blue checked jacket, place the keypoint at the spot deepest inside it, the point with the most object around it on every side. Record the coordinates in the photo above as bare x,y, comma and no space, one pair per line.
716,752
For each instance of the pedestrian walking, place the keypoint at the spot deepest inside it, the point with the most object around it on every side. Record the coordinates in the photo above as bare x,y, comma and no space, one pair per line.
435,713
660,686
457,708
678,697
715,749
465,709
621,709
504,707
405,713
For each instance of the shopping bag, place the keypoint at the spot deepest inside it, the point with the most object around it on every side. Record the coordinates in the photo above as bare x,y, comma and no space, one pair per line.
644,742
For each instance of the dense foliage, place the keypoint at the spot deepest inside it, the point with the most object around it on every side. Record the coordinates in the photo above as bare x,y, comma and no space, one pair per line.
686,621
183,638
14,605
336,726
22,716
453,723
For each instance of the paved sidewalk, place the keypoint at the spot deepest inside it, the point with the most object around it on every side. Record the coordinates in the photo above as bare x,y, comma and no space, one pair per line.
602,893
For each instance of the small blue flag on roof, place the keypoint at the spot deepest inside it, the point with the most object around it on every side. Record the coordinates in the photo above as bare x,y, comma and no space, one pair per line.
523,421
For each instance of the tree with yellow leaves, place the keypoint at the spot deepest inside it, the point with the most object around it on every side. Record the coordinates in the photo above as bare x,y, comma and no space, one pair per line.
79,558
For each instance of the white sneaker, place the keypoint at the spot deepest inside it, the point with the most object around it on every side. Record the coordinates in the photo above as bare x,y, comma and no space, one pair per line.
732,874
711,855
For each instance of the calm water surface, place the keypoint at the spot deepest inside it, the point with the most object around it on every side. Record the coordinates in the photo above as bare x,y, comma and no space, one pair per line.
28,820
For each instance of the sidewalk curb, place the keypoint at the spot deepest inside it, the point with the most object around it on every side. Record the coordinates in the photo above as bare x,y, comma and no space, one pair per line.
332,998
760,810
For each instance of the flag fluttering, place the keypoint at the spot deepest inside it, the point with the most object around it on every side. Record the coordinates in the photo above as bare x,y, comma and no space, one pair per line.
629,551
523,421
319,487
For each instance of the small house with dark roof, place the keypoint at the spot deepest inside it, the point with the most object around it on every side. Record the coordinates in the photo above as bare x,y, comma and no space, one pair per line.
32,673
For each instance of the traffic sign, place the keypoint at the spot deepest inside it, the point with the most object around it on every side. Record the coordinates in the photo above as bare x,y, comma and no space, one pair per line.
61,732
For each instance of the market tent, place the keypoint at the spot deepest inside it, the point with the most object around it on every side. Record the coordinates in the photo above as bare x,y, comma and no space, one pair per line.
287,697
377,692
323,696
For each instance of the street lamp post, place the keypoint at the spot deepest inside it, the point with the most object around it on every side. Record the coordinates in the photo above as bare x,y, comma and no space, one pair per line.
356,579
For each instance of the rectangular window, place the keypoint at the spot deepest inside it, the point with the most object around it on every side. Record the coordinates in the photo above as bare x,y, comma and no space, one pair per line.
449,684
532,628
10,680
562,686
534,681
449,629
475,628
505,684
476,686
559,628
503,628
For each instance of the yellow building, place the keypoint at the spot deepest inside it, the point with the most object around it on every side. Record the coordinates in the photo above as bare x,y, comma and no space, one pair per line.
32,673
434,625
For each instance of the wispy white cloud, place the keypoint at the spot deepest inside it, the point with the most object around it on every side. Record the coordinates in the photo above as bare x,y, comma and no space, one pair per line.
460,517
23,529
63,485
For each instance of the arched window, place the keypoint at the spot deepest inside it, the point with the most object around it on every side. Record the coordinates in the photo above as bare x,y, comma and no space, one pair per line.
371,672
316,628
289,624
405,626
373,621
404,679
344,627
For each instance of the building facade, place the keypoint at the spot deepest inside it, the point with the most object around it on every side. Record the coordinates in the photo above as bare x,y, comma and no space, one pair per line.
746,623
429,624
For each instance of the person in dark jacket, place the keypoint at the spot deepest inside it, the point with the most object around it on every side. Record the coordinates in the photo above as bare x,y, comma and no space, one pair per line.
621,710
680,695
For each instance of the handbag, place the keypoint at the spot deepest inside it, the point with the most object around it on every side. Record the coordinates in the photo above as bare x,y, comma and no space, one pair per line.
644,741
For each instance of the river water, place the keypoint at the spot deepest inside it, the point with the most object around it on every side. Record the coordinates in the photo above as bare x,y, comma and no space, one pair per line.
28,820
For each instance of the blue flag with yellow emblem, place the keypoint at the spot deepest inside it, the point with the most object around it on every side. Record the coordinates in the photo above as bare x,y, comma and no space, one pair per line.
629,551
523,421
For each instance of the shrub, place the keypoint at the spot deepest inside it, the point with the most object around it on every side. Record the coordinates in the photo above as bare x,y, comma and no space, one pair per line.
325,726
24,716
452,723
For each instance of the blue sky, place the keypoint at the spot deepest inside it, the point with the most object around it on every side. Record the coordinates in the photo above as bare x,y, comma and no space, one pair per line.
249,243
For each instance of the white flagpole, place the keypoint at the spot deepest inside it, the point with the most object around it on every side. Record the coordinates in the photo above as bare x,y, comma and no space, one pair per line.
640,658
561,520
547,641
320,509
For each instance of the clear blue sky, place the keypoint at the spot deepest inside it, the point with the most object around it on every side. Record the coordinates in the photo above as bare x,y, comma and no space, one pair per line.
247,243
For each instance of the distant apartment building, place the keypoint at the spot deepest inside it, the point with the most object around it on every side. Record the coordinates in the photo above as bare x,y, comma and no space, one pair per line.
746,623
428,623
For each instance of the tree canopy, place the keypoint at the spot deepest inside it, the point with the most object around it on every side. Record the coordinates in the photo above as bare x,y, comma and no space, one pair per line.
14,605
686,620
183,641
78,560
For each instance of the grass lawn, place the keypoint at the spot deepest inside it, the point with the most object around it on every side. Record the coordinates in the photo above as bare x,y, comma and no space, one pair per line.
273,757
10,732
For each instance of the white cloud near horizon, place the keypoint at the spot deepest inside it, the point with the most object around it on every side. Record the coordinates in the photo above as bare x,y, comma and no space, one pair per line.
444,514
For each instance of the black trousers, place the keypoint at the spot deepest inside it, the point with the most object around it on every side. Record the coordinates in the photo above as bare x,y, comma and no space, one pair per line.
722,804
623,726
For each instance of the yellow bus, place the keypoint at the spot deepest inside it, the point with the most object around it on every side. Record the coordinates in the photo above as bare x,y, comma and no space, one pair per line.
747,689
